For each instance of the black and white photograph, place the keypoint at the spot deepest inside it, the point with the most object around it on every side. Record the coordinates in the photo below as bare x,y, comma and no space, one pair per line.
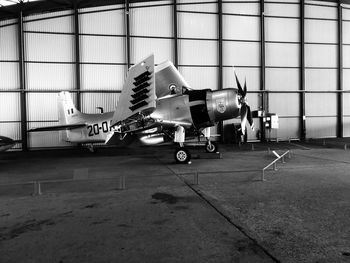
175,131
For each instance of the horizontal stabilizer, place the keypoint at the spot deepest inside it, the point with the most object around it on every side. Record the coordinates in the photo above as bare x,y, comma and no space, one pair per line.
58,127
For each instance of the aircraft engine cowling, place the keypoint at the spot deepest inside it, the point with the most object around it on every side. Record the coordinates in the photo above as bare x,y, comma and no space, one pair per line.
209,107
223,105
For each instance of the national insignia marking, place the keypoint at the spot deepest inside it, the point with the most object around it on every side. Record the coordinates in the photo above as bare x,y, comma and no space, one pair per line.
220,105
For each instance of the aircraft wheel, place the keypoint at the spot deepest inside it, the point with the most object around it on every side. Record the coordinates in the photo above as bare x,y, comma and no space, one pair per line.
182,155
211,148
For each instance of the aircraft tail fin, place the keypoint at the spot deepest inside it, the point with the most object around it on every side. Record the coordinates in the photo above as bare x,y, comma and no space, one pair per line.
67,112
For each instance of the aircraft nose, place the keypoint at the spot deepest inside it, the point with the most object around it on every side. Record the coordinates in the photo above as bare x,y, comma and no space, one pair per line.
223,105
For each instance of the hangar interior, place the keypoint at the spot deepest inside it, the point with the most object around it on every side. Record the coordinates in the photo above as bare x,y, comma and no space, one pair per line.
293,54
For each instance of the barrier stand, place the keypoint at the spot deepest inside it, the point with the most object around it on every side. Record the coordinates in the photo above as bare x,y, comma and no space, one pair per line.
253,147
274,163
37,188
345,146
122,182
195,178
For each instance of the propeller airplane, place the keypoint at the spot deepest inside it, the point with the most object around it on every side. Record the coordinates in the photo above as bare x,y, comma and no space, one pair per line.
156,105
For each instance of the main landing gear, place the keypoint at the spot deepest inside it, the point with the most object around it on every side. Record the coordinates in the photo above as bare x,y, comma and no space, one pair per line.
182,155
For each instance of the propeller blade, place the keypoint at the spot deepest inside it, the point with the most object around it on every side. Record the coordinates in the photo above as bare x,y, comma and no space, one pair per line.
244,113
240,90
245,87
250,117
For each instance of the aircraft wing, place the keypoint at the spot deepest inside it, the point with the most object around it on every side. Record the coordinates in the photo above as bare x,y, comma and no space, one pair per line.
169,79
58,127
138,96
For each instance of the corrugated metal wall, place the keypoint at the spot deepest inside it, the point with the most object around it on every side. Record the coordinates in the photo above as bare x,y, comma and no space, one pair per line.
346,69
321,64
283,65
50,59
10,118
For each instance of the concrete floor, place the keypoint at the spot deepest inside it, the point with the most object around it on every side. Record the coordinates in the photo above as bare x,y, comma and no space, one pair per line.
299,214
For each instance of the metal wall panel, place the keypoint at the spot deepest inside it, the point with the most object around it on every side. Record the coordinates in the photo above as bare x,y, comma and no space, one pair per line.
346,12
102,77
346,104
42,107
320,104
251,75
143,47
321,55
102,49
283,79
49,47
9,75
46,76
284,104
278,54
282,29
346,56
107,101
152,21
346,31
108,22
321,79
240,8
8,43
288,128
240,28
241,54
196,52
201,77
199,5
321,127
10,107
346,126
287,10
191,25
346,79
50,22
321,31
329,10
284,1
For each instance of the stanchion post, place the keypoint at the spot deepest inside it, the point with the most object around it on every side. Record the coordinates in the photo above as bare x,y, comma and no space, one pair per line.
122,182
263,175
37,188
195,179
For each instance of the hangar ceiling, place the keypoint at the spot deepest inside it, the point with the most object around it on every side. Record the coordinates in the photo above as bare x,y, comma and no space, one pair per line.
10,8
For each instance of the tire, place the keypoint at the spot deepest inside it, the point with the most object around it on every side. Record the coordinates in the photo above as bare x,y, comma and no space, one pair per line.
211,148
182,155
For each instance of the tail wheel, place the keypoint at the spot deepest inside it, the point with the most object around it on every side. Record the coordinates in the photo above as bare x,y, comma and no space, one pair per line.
182,155
211,147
